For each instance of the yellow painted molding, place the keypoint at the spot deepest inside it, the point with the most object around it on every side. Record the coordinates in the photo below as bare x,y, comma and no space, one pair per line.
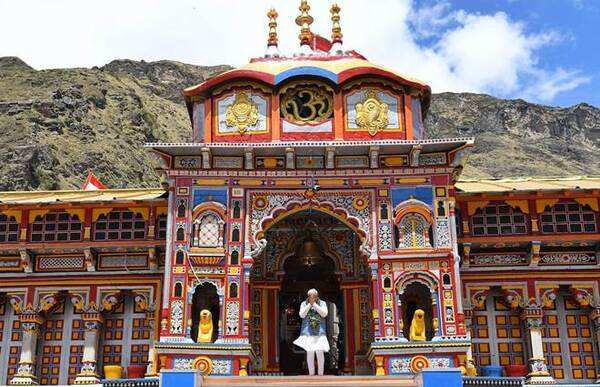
541,204
522,204
211,182
16,213
592,202
473,206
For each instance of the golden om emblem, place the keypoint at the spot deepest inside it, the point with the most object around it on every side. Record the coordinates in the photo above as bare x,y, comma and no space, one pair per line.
242,113
307,104
372,114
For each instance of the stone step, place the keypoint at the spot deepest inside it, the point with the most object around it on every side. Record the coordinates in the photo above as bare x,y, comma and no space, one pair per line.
309,381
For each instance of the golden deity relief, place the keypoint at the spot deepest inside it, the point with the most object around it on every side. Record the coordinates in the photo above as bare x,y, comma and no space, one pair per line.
242,113
372,114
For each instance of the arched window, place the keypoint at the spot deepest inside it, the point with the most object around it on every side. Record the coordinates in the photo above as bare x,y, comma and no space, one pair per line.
9,229
181,209
237,210
568,217
180,234
55,226
235,235
413,232
441,210
498,219
235,258
233,290
161,226
179,257
178,290
119,225
208,230
383,211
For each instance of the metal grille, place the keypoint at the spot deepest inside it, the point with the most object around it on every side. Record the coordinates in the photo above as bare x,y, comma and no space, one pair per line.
499,219
414,232
120,225
9,229
55,226
568,218
161,222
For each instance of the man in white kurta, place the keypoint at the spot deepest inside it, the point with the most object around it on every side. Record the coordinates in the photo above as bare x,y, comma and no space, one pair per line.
313,335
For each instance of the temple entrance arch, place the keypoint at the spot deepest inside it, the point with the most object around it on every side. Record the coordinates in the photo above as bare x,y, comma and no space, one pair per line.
309,248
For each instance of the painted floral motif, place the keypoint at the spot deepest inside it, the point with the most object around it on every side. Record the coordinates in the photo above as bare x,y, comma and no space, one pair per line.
233,317
176,317
442,233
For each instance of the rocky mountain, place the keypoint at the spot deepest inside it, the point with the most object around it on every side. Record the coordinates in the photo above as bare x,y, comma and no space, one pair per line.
55,124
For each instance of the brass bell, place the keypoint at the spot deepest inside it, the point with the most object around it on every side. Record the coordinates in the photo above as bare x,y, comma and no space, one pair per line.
309,253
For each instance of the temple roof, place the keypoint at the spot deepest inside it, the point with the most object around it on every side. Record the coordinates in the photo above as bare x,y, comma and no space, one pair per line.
529,184
338,69
80,196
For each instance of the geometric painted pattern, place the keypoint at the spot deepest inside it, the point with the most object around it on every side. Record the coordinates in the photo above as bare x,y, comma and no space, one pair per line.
569,342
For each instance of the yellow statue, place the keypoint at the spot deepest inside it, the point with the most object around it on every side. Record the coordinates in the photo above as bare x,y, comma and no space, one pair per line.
417,326
205,327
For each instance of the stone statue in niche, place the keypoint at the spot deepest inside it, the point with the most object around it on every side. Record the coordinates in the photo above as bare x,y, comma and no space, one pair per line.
205,327
417,326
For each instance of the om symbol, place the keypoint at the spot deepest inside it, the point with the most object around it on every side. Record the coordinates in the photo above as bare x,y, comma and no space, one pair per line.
307,104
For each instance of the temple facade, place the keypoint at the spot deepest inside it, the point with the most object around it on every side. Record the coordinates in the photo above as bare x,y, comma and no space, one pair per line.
308,171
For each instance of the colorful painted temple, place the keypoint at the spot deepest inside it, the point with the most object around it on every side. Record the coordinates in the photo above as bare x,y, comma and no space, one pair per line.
306,171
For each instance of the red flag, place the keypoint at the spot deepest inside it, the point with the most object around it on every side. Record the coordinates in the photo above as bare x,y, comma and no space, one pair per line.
92,183
319,43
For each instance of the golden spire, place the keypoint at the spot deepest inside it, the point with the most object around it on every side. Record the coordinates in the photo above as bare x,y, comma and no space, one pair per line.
304,21
272,15
336,30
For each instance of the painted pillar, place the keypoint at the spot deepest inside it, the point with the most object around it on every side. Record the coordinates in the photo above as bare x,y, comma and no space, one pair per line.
538,370
400,318
454,237
152,367
88,374
435,318
30,324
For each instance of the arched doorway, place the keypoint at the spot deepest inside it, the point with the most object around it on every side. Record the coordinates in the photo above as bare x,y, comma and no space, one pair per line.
308,249
205,298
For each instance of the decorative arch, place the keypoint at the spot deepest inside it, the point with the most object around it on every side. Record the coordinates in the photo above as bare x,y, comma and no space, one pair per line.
421,277
280,213
413,206
209,206
208,217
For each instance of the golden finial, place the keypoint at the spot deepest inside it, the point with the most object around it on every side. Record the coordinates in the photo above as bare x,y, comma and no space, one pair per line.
272,15
336,30
304,21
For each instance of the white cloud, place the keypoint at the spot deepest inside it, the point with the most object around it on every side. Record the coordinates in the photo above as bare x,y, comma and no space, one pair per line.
450,49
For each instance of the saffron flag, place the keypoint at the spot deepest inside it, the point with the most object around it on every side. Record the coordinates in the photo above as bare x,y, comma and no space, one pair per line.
92,183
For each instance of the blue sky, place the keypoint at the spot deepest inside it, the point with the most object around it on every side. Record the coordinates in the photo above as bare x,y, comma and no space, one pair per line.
576,49
544,51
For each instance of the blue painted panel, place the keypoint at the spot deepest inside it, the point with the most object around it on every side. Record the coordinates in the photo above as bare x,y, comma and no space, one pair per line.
306,70
202,195
422,193
172,378
450,377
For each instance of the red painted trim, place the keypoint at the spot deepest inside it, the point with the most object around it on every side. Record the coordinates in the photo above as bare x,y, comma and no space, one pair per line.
227,76
371,71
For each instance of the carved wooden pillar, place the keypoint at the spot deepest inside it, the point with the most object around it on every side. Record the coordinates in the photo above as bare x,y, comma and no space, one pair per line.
93,321
538,370
152,367
30,324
